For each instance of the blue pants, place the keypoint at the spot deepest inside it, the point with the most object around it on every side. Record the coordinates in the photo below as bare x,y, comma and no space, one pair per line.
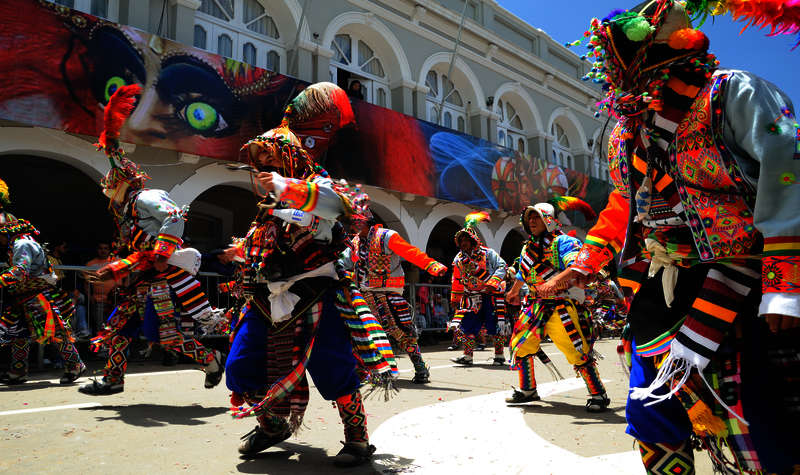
332,365
663,422
472,322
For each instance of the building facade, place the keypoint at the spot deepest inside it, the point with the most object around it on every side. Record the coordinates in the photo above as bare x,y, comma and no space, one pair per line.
508,83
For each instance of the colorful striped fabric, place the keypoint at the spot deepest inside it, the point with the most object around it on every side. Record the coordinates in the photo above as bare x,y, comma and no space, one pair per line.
300,194
190,295
369,340
781,264
287,385
714,309
165,245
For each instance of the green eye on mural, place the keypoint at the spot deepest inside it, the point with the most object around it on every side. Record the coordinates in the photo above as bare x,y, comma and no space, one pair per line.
201,116
113,83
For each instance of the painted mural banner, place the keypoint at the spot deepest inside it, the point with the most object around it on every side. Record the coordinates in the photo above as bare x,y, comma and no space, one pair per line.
60,66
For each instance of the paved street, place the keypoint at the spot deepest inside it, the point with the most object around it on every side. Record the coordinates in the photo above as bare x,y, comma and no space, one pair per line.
165,422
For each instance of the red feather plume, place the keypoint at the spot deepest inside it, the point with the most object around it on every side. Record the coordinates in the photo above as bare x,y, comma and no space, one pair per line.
118,109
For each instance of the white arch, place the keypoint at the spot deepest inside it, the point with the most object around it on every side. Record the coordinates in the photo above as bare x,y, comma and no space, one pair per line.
56,145
387,205
509,224
454,211
296,11
380,37
462,73
571,126
205,177
515,89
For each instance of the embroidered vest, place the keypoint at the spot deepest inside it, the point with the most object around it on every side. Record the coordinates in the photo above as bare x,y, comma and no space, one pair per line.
473,271
379,263
705,188
275,250
535,267
718,203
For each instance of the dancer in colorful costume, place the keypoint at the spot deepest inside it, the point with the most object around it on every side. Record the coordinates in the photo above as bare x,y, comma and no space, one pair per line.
35,309
561,316
704,163
374,260
163,287
476,294
300,316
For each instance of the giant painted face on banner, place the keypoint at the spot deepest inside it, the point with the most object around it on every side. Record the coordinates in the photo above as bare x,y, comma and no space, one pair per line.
60,66
191,99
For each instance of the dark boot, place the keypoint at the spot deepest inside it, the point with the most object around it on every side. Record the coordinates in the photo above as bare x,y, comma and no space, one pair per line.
170,358
258,439
422,377
598,403
71,377
214,370
101,388
11,380
519,397
354,454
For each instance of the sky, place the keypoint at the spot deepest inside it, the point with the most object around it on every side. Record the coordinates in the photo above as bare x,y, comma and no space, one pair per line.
768,57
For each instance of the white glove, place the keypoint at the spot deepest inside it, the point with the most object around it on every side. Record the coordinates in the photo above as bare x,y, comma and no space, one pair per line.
211,321
502,327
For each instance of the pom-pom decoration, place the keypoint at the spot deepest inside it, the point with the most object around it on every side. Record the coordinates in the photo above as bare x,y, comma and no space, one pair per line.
688,38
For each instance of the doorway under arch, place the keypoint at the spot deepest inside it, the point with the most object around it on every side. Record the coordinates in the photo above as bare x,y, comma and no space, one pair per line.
61,201
218,214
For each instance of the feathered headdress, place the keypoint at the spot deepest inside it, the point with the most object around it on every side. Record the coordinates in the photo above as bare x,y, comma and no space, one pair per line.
119,108
292,159
316,114
10,225
471,226
634,49
571,203
360,202
5,197
547,211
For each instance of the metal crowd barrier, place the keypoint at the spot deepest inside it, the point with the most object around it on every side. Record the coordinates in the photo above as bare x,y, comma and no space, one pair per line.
430,302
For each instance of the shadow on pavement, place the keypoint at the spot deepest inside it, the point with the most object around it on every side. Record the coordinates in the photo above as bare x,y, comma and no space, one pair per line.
157,415
407,385
576,411
29,386
297,459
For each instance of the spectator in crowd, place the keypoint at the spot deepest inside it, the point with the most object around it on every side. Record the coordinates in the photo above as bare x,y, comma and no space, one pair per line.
100,302
355,90
57,251
421,318
423,298
218,261
439,312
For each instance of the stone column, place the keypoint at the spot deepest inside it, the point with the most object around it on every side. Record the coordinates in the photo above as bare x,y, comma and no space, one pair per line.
300,62
403,96
321,61
135,13
420,110
183,20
